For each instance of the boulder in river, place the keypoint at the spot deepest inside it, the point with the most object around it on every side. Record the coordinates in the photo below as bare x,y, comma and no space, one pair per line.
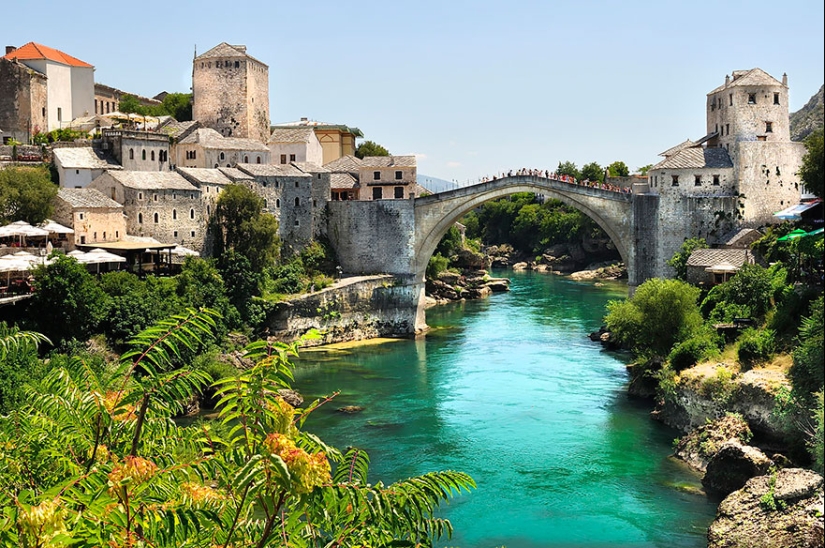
732,466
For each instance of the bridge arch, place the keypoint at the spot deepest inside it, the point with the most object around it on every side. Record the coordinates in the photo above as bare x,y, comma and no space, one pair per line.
435,214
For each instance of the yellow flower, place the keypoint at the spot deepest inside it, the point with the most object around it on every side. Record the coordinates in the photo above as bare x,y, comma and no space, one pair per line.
133,470
307,471
43,521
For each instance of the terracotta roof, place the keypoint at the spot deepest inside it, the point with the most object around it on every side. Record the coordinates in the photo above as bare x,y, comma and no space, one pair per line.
388,161
710,257
152,180
84,158
291,135
86,197
33,51
697,157
211,139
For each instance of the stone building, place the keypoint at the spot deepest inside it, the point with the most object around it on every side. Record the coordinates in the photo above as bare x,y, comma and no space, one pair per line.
388,177
52,90
231,93
707,267
138,150
159,204
737,175
336,140
107,99
94,217
205,147
77,167
298,144
344,180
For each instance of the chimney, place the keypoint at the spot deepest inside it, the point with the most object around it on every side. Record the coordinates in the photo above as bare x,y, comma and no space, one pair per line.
10,49
304,119
727,80
785,79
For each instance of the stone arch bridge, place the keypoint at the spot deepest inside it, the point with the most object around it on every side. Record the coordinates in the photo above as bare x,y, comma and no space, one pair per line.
399,236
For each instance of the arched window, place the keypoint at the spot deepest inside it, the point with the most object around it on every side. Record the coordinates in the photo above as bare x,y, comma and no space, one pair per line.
223,156
258,160
156,219
246,159
131,154
191,213
297,202
152,157
174,214
140,218
143,155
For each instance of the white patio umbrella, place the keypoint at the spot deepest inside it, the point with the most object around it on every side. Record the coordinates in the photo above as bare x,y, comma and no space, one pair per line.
22,229
181,251
8,264
99,256
55,228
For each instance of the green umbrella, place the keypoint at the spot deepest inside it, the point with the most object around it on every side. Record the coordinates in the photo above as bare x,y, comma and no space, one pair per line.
794,234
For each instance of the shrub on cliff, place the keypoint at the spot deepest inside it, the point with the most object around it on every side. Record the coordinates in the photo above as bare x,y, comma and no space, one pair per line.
754,346
660,314
694,350
807,373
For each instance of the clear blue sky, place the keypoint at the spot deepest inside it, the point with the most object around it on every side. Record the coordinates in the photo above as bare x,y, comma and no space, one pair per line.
472,87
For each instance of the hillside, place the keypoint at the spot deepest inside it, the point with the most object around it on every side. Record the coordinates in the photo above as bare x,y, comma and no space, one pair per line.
809,118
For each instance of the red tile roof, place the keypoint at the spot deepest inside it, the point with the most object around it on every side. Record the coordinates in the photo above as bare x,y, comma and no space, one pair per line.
39,51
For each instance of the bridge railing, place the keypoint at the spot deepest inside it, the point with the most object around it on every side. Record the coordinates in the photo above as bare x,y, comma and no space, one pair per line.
550,177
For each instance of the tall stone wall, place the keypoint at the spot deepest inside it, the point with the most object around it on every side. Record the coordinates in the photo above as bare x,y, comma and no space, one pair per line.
645,221
23,101
375,306
373,237
768,178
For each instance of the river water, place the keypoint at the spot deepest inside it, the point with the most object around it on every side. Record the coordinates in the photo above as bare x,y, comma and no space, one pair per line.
510,390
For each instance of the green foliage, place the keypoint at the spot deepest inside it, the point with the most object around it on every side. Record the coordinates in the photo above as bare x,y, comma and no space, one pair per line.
450,243
27,194
768,501
569,169
751,289
318,257
200,285
593,172
63,134
436,265
618,169
660,314
129,104
719,387
812,171
177,105
679,260
754,346
135,304
287,279
241,281
75,303
644,169
18,365
370,148
94,459
239,225
817,441
694,350
806,373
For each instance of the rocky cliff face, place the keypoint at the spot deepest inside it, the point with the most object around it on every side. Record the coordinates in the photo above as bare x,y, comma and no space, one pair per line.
809,118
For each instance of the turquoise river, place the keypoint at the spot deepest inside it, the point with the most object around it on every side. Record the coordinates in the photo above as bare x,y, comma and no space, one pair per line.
510,390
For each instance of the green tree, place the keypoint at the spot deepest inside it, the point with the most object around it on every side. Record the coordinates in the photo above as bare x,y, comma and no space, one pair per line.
370,148
618,169
679,260
129,104
660,314
27,194
593,171
243,228
569,169
18,365
105,464
644,169
812,171
135,304
807,373
178,106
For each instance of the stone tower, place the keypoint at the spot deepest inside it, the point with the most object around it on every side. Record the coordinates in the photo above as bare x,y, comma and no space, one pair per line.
751,106
230,92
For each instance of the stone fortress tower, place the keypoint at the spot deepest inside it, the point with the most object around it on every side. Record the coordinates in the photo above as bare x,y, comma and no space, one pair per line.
748,116
230,92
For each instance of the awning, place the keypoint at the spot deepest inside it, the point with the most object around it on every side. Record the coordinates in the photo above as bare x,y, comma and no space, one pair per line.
794,213
792,235
55,228
722,268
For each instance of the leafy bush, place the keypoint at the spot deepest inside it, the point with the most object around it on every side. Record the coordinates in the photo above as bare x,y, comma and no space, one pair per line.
755,346
679,260
719,387
437,265
288,278
806,372
690,352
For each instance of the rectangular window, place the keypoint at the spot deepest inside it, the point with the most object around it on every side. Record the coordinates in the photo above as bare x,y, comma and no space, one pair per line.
376,175
751,98
291,157
775,98
715,180
175,234
59,114
697,180
399,192
399,175
768,127
675,180
377,193
731,99
283,158
727,129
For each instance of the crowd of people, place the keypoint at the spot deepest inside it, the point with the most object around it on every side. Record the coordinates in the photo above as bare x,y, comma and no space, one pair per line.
553,176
